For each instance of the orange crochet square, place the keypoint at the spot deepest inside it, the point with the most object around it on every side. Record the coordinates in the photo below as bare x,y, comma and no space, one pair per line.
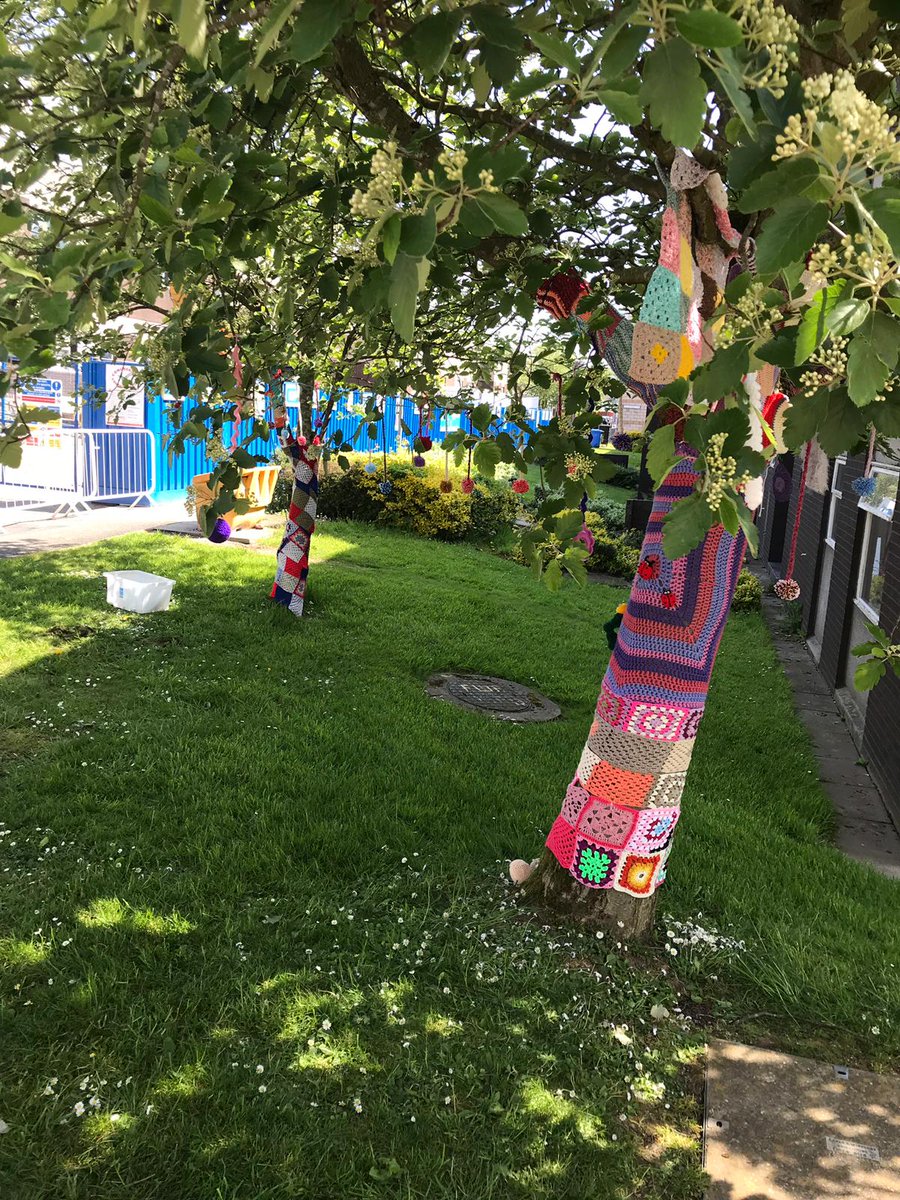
622,787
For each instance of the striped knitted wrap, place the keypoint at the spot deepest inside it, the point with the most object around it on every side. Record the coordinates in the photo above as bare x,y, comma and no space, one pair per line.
292,557
621,809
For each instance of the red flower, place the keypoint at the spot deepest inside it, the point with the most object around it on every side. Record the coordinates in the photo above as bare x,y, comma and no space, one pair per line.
668,599
648,568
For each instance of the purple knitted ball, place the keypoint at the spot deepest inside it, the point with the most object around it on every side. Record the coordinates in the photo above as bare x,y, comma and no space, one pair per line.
221,531
418,460
621,441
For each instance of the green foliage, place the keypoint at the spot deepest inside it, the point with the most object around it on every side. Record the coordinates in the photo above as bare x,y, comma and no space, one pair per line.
417,504
747,593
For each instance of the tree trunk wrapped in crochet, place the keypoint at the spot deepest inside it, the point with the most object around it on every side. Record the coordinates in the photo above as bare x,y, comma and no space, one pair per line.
607,850
292,557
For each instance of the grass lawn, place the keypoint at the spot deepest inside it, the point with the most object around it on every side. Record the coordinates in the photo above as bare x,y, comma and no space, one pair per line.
255,940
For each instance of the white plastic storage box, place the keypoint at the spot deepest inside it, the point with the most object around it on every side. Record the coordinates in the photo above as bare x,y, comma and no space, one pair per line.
138,591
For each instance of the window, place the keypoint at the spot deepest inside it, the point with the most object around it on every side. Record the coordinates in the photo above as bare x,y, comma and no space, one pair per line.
834,496
879,510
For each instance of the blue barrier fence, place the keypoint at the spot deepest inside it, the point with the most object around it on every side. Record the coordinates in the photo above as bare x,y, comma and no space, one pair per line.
174,472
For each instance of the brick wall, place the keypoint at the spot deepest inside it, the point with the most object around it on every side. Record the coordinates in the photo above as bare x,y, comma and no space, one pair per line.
881,741
835,634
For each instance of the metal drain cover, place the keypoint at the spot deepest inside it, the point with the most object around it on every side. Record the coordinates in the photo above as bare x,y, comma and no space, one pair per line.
499,698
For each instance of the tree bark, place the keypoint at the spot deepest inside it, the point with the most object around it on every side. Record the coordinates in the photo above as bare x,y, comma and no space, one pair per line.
555,888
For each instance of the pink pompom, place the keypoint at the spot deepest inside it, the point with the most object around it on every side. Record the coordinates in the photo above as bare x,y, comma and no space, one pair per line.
467,486
521,487
586,538
787,589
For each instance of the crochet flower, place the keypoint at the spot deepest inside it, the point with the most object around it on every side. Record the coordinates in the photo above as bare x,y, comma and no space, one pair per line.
787,589
864,486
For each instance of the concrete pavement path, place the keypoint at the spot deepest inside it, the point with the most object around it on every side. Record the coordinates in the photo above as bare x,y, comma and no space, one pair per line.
43,533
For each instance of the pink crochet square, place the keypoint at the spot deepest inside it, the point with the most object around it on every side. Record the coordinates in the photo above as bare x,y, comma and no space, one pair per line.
607,823
576,799
561,841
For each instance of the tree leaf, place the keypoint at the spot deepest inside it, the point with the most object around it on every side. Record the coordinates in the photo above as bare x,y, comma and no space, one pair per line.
789,233
417,233
431,39
847,315
661,456
556,49
871,357
686,525
791,177
503,213
272,27
315,27
708,27
402,295
868,673
674,92
843,426
884,206
553,576
857,16
154,211
486,456
622,50
731,78
815,323
722,374
624,106
191,26
390,237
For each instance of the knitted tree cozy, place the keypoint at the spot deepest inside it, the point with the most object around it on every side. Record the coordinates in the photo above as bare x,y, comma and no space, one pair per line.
615,830
292,557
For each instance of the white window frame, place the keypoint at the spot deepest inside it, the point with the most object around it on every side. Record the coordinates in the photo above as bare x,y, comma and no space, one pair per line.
863,605
834,497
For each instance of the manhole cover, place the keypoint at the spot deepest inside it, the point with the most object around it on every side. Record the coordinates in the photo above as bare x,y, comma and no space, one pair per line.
500,698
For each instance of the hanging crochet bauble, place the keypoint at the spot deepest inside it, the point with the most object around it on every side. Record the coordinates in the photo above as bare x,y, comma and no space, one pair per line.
864,486
787,589
446,486
418,460
370,468
519,870
521,487
424,441
621,441
221,531
467,486
385,487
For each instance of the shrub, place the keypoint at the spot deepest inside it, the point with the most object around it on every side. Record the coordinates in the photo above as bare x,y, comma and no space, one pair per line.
610,512
625,477
416,503
638,442
747,594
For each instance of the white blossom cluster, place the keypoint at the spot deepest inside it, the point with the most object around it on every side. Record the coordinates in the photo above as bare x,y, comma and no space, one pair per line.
841,121
769,29
858,258
721,471
386,171
830,363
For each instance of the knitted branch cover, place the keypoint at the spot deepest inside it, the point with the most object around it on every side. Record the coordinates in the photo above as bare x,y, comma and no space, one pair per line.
620,812
292,558
621,809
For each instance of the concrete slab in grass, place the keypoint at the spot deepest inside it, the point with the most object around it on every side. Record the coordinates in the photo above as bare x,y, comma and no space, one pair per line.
785,1128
